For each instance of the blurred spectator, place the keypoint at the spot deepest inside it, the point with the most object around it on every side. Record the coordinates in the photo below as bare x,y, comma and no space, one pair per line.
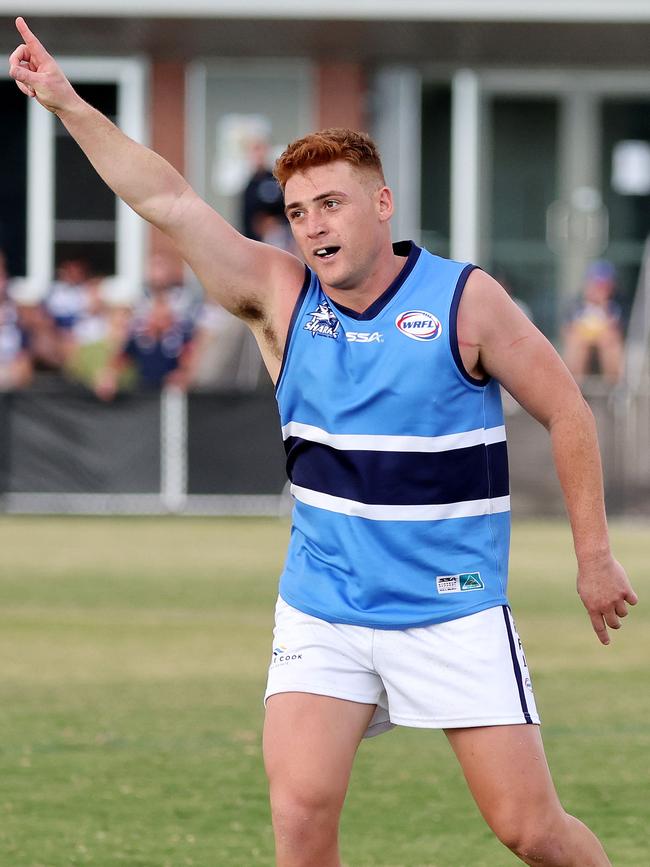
98,332
44,338
66,298
593,333
224,353
158,343
263,216
15,361
164,274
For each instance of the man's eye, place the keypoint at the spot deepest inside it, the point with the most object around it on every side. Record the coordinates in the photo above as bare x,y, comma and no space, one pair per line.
331,203
293,215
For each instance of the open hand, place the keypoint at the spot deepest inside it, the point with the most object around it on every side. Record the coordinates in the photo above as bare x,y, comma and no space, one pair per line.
38,75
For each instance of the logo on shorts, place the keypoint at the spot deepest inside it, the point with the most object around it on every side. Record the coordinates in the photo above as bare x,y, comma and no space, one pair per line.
419,325
282,655
461,583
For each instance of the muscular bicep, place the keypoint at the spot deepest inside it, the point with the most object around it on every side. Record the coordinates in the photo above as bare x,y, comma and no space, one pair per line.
512,350
248,278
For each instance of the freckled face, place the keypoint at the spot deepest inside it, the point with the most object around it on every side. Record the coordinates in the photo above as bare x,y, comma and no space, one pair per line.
339,219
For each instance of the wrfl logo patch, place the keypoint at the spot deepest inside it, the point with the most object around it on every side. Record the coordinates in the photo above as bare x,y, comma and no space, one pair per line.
419,325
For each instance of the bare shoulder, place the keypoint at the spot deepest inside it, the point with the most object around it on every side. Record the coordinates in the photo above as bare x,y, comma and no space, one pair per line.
485,309
508,346
486,317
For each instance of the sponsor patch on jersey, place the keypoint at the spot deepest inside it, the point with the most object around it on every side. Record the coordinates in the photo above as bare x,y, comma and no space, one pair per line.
419,324
323,322
461,583
364,336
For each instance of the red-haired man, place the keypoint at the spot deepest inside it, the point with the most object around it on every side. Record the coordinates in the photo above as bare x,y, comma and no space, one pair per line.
386,361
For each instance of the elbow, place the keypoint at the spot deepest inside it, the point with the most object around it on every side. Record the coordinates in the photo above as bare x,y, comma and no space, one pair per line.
574,410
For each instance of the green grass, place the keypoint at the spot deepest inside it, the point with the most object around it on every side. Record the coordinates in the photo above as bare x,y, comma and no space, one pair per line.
133,664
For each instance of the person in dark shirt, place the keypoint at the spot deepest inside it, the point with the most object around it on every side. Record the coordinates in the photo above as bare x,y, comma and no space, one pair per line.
158,346
263,216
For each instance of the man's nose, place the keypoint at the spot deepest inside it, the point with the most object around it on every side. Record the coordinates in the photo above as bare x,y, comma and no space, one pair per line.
315,227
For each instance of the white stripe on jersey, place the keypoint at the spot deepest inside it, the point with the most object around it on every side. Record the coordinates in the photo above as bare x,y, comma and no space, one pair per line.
375,512
383,443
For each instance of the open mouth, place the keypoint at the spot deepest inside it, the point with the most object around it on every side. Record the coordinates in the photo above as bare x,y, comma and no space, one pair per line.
326,252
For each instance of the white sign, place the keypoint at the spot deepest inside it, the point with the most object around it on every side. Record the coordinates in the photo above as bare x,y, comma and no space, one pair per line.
631,168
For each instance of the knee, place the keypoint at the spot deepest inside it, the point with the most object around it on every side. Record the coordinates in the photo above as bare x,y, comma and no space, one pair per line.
304,812
534,839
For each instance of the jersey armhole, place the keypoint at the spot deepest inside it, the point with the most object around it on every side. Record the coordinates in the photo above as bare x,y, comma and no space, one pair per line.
453,329
296,310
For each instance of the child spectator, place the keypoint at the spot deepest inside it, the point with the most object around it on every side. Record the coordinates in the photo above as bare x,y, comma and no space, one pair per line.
593,334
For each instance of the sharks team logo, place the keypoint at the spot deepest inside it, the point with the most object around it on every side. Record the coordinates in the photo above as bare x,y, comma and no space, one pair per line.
323,322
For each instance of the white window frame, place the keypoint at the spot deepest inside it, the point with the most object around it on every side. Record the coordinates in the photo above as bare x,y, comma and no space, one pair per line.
130,75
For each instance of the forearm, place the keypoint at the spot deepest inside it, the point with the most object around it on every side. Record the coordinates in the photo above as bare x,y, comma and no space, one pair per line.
142,178
577,459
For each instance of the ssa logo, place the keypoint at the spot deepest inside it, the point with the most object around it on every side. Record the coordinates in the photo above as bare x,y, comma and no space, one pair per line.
364,337
419,325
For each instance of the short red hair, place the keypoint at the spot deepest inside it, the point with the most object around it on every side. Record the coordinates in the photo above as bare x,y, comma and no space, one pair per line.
326,146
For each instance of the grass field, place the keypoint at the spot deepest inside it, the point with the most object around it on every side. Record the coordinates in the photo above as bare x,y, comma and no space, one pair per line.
133,661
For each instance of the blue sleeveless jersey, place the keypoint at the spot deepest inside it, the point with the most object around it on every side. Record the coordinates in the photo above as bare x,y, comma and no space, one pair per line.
396,456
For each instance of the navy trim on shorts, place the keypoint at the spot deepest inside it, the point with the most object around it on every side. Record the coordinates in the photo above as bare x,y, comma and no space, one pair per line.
296,310
515,665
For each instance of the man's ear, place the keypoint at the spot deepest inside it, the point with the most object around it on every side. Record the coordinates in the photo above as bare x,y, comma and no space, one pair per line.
385,203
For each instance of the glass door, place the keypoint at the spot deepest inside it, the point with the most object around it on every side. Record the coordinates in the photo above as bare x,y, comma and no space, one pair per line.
625,182
520,186
566,180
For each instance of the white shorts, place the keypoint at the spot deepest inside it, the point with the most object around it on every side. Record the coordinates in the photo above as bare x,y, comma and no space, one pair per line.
466,672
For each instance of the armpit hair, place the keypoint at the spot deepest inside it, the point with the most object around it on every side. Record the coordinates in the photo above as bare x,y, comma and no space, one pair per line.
253,313
249,311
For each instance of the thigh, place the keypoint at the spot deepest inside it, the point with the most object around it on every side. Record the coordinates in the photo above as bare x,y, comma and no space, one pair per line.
310,742
334,660
507,772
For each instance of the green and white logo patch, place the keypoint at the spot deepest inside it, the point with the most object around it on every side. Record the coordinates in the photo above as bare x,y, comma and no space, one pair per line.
471,581
461,583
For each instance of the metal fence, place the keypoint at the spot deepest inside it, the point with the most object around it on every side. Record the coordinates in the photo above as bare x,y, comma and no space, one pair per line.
63,451
212,453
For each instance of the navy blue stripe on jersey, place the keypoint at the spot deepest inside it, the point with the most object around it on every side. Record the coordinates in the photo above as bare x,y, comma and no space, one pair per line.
399,478
453,327
400,248
515,665
498,471
296,310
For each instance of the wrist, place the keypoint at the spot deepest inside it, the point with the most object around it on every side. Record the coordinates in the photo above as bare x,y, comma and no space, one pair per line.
73,107
593,554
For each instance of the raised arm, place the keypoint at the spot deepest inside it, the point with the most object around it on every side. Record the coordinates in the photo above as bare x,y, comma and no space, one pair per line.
497,338
252,280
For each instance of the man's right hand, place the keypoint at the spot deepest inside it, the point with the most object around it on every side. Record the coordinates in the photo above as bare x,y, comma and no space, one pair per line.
38,75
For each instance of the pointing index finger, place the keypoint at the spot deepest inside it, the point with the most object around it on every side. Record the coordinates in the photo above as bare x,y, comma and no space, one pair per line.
28,37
